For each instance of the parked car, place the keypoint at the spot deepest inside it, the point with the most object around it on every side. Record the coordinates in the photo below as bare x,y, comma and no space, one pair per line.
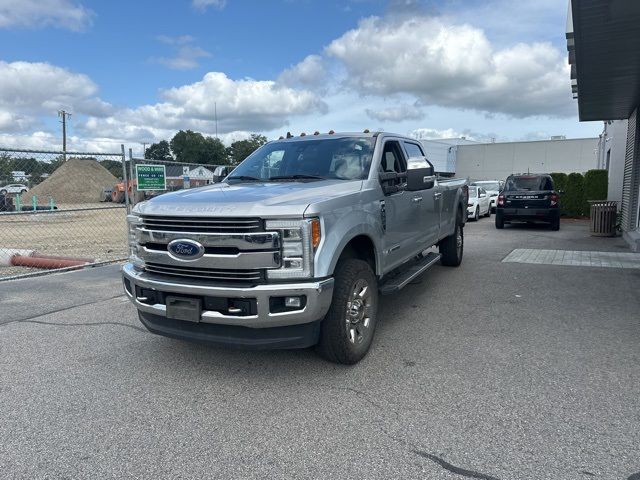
479,203
530,198
14,188
293,248
493,188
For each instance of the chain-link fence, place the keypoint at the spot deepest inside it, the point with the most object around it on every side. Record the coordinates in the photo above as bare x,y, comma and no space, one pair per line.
151,178
57,210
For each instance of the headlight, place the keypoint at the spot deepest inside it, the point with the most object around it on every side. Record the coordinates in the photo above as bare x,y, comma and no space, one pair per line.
133,222
300,239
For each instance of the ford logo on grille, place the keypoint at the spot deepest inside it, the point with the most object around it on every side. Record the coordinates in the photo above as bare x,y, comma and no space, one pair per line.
185,249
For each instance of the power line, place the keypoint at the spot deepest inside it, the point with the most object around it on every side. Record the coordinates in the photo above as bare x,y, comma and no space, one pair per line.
64,115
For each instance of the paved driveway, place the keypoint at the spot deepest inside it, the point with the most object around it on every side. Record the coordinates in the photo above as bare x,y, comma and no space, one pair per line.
494,370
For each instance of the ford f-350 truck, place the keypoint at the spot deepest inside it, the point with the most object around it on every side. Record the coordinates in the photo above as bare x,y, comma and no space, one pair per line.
295,246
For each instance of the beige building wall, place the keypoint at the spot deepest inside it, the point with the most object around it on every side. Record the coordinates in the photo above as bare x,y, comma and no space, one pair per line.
496,161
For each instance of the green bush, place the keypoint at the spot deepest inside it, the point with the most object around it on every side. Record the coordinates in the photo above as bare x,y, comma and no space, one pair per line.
596,183
573,201
559,181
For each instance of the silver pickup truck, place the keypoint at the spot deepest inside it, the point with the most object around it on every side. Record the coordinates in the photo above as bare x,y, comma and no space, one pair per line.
294,248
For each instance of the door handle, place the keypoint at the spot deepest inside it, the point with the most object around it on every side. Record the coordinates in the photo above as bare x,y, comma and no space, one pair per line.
437,195
416,199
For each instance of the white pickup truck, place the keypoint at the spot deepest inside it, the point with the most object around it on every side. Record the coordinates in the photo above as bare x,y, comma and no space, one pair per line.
294,247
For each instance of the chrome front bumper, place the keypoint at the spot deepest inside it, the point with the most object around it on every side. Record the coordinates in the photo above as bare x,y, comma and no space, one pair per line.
318,294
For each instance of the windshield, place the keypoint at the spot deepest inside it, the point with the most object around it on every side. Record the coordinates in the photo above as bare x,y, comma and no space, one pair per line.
493,186
303,160
528,183
473,192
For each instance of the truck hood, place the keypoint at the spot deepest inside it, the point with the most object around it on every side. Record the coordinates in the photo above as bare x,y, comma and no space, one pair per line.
269,199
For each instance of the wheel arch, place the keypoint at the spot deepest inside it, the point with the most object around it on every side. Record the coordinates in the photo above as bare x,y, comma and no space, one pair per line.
361,246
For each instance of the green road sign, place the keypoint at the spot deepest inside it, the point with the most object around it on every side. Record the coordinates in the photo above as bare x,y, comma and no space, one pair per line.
151,177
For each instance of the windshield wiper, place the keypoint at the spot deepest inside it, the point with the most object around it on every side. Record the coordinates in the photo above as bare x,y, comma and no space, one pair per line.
245,178
299,176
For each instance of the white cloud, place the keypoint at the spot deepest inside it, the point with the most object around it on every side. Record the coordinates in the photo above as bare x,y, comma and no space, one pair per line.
39,13
28,89
310,72
398,113
435,134
202,5
186,54
453,66
242,105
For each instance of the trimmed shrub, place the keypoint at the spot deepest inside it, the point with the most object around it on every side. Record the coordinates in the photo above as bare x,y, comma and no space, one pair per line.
559,181
596,184
573,202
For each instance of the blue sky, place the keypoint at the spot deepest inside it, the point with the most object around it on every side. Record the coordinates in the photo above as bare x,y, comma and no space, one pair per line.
133,72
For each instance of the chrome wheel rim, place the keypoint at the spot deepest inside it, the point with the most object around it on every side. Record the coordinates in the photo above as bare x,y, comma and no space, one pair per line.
358,313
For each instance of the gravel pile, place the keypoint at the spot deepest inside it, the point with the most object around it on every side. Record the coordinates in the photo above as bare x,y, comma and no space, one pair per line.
76,181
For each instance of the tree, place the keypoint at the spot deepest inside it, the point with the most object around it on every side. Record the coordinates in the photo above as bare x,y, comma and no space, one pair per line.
193,147
241,149
158,151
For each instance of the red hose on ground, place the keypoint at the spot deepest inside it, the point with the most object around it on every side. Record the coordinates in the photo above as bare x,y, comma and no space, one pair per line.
44,262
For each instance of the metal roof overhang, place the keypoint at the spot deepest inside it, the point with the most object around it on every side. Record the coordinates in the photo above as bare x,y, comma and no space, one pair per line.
603,39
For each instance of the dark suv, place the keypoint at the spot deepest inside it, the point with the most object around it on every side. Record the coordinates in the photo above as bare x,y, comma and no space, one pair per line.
528,198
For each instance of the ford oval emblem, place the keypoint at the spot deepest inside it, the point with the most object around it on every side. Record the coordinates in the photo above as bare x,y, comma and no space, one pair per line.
185,249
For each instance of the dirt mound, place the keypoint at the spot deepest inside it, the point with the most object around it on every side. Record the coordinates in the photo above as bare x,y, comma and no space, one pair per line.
76,181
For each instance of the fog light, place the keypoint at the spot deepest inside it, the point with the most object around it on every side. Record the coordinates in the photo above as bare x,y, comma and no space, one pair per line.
292,302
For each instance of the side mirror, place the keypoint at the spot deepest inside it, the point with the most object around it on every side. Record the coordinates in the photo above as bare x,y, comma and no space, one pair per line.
420,176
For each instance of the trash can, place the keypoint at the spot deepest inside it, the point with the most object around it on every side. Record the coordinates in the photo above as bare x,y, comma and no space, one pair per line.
603,218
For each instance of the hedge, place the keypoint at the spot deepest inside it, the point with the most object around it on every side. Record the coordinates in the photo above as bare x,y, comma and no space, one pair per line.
579,189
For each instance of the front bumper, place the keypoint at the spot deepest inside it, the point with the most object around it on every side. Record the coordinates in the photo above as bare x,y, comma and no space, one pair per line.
318,295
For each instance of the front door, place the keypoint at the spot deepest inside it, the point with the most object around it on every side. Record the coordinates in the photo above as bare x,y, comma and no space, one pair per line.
401,211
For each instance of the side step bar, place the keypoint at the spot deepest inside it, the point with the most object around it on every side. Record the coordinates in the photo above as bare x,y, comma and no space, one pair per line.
401,280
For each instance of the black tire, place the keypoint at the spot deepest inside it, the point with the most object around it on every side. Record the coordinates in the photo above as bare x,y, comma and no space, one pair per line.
476,216
555,225
3,192
23,191
499,221
343,340
488,214
450,250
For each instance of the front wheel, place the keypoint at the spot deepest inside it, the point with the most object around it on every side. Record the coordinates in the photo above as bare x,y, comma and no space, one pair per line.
476,216
347,330
3,192
488,214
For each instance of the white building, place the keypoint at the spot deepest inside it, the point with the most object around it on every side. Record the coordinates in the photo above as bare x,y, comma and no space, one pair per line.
496,161
441,153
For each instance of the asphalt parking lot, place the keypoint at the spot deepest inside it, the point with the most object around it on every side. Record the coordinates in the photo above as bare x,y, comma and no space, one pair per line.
492,370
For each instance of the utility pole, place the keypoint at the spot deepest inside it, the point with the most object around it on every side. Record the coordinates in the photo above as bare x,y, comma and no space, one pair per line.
64,115
144,149
215,114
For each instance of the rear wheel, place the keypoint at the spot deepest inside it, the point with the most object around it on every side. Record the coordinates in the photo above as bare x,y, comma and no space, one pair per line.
452,247
3,192
499,220
488,214
347,330
555,225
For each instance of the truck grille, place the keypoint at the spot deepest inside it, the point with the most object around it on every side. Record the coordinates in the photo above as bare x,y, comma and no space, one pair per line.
202,224
244,276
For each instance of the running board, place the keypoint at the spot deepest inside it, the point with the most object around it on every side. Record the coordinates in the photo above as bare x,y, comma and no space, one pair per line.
401,280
